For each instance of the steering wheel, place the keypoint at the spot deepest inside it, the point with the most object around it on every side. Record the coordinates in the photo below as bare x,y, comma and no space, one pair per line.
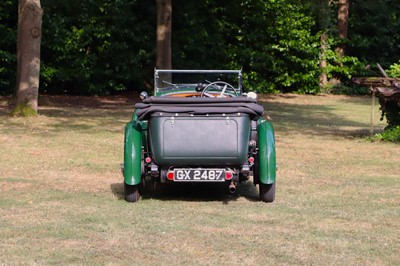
219,85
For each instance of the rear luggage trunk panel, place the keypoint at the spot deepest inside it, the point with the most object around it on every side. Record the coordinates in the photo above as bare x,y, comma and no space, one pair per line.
199,140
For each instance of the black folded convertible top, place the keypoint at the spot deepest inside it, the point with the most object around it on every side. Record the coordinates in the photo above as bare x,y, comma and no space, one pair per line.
199,106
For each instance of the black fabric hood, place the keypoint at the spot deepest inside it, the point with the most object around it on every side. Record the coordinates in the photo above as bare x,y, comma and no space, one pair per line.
198,106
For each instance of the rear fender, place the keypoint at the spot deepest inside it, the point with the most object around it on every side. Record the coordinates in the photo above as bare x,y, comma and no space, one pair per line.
266,152
133,152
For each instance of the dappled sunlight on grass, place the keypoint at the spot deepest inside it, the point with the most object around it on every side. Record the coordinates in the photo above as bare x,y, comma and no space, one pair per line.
62,201
320,115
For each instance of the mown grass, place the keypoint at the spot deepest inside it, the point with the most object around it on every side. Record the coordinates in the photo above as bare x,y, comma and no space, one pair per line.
337,199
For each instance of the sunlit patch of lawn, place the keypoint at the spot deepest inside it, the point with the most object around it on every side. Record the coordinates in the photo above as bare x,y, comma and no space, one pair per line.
337,199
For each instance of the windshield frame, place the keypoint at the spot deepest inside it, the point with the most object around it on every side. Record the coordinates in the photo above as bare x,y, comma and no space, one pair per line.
160,90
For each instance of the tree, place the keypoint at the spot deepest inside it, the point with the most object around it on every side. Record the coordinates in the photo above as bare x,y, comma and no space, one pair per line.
28,57
164,21
107,46
323,15
343,17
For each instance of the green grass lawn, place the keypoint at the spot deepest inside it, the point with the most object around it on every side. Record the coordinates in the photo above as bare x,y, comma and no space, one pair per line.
337,199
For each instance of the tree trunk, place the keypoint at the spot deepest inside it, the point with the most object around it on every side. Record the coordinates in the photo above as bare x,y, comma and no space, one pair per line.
323,14
28,56
163,49
343,16
323,79
164,21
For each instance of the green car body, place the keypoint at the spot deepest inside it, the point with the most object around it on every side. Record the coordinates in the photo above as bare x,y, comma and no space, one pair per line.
187,139
134,136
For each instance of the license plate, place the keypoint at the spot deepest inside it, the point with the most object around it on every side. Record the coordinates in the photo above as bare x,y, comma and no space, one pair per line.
199,175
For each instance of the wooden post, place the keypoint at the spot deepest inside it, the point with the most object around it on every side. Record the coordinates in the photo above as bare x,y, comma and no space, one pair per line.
371,131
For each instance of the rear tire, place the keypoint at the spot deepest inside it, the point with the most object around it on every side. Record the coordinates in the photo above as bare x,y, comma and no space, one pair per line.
256,171
267,192
131,193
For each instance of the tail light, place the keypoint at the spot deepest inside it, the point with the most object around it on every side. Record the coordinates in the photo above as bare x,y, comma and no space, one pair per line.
251,159
147,160
228,175
170,175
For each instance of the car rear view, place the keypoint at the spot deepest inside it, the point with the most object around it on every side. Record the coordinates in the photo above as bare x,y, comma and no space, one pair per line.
199,131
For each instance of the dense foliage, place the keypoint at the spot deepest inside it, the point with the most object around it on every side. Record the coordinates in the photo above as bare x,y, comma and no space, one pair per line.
391,135
8,31
96,46
374,31
104,46
272,41
390,110
394,70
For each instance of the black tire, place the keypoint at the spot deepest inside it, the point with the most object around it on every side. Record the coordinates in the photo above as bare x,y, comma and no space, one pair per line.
131,193
147,187
256,171
267,192
142,184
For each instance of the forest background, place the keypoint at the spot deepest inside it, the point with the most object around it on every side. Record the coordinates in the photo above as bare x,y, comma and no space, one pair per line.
100,47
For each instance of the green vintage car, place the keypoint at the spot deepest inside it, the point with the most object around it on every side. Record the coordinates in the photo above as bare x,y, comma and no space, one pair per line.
199,127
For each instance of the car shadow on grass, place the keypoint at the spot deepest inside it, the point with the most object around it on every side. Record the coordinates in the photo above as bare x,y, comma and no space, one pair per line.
204,192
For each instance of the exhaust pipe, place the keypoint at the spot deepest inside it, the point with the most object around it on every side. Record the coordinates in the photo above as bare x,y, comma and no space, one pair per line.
232,188
122,168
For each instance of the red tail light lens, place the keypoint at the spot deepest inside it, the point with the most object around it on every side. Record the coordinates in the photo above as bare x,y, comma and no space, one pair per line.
170,175
228,175
147,160
251,160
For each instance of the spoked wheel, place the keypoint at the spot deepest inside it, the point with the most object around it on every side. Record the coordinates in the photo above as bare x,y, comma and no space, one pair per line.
131,193
267,192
